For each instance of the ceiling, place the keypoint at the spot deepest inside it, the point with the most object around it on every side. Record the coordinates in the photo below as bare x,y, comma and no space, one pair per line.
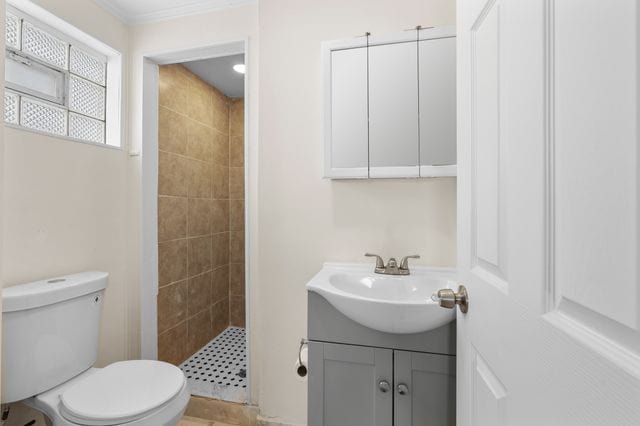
219,73
136,11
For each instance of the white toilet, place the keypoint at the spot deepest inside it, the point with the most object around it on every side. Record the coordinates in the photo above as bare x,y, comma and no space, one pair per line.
50,343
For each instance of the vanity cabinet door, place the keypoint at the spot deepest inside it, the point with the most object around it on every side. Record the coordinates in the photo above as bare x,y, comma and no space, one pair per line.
424,389
347,115
393,110
345,385
437,107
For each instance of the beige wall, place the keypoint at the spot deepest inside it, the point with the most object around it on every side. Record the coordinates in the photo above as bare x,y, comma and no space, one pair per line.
65,203
305,220
236,213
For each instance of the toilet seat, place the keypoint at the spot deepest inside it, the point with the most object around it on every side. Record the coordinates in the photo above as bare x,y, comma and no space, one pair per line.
121,392
141,392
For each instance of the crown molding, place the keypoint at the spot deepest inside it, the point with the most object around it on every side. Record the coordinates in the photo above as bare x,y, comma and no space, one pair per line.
199,7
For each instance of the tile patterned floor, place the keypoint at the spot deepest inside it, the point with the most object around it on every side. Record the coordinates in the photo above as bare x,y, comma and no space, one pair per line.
218,370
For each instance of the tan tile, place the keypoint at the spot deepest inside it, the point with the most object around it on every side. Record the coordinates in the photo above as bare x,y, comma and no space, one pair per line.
236,279
199,141
236,183
236,215
172,131
173,88
172,344
220,182
199,331
220,284
172,305
199,255
172,218
222,411
200,105
236,151
199,293
193,421
220,316
220,111
220,216
172,261
236,117
236,247
220,249
200,175
172,174
220,143
200,212
236,311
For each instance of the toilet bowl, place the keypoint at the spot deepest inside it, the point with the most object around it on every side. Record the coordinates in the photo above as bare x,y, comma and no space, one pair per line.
50,333
140,393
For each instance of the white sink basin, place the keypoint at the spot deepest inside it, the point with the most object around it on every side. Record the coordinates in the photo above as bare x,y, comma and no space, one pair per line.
392,304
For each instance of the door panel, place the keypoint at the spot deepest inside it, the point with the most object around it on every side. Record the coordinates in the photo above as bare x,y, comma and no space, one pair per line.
393,108
343,385
548,125
430,380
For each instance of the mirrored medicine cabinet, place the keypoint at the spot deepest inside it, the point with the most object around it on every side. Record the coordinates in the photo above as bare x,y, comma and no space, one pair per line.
390,105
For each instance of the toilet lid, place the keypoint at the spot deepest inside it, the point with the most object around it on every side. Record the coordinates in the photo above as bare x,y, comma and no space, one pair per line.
122,391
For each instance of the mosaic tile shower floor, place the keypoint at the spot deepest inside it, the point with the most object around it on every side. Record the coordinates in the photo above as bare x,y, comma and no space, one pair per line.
218,370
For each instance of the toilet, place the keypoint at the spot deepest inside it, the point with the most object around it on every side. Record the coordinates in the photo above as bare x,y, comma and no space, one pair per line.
50,331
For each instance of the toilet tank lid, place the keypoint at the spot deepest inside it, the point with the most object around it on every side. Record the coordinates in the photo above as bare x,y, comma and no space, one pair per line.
53,290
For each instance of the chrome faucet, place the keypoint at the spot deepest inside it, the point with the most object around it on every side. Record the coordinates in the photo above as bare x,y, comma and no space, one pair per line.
392,267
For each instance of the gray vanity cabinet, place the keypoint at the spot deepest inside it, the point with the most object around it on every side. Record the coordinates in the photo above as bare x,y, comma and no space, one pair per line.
368,386
344,385
425,389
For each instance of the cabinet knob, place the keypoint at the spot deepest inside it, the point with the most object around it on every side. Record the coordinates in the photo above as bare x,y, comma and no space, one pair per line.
403,389
384,386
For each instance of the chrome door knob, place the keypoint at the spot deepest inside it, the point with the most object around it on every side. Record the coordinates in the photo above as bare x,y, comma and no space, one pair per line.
448,298
403,389
384,386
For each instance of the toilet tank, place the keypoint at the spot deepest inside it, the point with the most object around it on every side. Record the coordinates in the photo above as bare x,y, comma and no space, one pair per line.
50,332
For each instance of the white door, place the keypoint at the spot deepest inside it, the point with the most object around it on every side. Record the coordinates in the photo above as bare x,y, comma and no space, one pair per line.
549,193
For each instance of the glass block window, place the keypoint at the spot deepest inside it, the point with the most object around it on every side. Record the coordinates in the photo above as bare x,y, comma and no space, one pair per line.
55,84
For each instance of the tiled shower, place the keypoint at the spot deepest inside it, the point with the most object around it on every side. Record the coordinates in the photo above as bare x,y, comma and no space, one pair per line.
200,228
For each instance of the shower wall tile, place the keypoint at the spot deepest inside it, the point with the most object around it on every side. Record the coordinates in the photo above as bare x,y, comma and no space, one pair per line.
172,218
199,331
172,344
236,215
172,174
220,284
199,217
236,246
172,261
236,311
172,302
220,249
172,131
200,141
199,179
220,316
195,215
199,260
199,293
236,279
236,183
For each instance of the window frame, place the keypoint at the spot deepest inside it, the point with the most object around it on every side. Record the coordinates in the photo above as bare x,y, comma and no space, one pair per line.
29,12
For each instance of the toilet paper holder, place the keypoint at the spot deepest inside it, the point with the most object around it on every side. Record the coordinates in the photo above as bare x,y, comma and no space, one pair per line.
301,365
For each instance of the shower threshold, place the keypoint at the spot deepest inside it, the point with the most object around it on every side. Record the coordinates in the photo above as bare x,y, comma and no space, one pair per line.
219,369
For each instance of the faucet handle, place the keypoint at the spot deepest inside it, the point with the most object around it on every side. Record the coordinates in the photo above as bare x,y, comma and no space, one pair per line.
379,261
404,262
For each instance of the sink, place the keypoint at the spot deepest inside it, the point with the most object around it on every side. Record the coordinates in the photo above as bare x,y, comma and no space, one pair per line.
392,304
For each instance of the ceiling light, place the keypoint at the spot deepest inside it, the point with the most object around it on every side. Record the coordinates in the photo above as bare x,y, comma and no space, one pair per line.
239,68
